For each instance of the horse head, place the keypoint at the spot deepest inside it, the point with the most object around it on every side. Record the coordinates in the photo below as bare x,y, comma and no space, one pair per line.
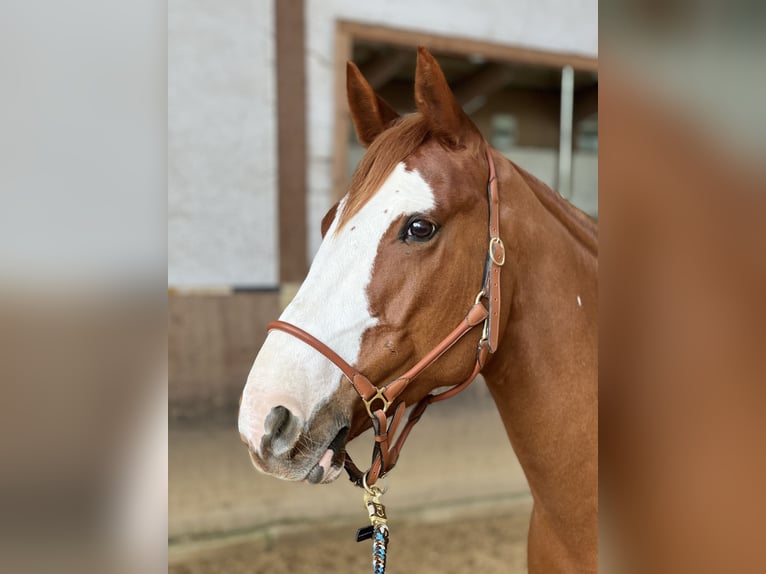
402,258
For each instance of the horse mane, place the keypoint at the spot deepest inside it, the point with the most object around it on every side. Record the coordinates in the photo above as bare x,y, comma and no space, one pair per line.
391,147
579,224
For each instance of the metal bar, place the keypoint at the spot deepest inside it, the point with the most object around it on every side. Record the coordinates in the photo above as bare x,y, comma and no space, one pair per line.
291,140
565,132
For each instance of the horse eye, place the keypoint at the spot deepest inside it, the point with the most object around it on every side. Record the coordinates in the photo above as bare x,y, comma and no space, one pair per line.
421,230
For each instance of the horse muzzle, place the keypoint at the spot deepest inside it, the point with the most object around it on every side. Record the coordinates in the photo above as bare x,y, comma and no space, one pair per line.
288,450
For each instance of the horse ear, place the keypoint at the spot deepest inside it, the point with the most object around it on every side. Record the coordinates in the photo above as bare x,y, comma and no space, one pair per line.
447,120
371,113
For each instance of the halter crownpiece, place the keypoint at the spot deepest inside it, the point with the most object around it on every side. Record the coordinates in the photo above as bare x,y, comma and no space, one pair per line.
378,400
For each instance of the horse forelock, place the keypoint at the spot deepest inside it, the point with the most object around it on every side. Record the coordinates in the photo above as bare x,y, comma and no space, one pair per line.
390,148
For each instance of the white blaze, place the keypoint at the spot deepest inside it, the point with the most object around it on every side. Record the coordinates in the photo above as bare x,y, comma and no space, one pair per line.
331,305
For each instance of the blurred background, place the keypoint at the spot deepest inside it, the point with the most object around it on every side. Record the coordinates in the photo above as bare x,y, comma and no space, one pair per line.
260,145
90,107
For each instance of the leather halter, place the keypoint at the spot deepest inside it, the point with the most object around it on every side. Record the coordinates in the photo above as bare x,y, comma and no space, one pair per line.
386,452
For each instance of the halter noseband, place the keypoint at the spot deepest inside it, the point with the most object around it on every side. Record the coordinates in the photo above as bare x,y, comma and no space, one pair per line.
385,453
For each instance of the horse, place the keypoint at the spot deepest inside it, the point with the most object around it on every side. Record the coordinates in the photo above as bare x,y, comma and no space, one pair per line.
431,217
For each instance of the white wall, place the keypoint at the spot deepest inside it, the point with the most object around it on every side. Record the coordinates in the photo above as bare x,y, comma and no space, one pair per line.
221,143
553,25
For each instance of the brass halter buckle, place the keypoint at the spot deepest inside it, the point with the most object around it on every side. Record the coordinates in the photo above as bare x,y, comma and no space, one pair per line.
479,297
496,241
378,395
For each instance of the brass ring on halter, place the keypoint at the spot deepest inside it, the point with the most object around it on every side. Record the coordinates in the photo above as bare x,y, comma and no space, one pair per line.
378,395
496,241
479,297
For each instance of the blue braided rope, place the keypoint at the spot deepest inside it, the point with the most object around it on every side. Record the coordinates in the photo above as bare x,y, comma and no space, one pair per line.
379,547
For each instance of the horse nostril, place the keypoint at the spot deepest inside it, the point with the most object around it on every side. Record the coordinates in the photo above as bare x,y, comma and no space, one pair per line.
278,418
282,430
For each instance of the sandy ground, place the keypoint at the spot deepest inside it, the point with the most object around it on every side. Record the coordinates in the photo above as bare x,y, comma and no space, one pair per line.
492,544
457,501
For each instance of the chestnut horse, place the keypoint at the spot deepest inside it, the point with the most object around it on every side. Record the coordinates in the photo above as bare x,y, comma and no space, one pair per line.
402,259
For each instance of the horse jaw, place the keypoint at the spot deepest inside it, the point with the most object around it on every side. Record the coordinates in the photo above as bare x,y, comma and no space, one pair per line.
332,305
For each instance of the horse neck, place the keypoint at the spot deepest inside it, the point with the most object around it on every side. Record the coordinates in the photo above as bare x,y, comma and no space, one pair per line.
543,377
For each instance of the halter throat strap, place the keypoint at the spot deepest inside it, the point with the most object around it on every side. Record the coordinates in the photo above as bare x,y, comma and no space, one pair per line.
379,399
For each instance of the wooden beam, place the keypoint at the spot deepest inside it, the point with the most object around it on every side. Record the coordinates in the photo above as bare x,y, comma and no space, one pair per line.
291,140
343,53
466,46
383,67
473,92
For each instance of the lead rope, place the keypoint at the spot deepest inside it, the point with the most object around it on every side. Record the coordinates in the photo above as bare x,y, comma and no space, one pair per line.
378,529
